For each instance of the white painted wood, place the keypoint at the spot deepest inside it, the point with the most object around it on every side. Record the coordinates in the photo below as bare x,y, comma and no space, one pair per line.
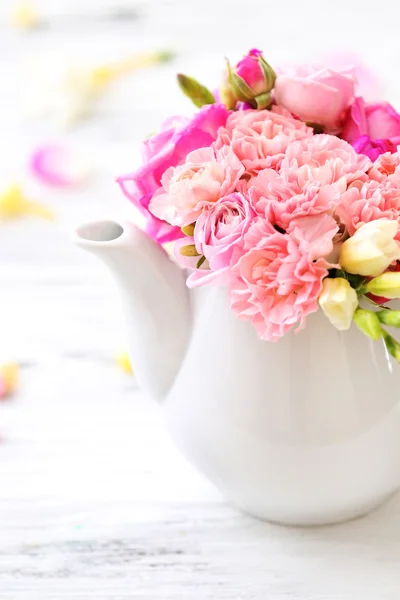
95,502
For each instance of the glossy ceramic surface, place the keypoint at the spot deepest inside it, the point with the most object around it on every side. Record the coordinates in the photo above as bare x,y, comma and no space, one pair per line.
304,431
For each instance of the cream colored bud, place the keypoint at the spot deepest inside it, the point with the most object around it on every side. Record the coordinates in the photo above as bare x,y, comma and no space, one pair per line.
338,301
371,249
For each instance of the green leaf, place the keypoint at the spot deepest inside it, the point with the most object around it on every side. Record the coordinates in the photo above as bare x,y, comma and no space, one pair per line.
199,94
316,127
392,345
200,262
189,250
269,73
188,229
263,100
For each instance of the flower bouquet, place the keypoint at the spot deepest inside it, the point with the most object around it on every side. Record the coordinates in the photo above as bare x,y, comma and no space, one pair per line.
279,198
285,188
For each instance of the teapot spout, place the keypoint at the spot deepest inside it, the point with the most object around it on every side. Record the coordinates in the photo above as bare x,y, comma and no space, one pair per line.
155,298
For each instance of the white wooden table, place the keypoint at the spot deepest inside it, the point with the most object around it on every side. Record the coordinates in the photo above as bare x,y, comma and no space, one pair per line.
95,502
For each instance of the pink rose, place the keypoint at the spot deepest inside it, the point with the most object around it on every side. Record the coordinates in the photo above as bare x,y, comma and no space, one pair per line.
276,281
218,231
379,121
178,137
368,202
250,71
316,94
260,138
206,176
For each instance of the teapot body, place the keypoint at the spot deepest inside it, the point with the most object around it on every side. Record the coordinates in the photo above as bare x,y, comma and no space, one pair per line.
304,431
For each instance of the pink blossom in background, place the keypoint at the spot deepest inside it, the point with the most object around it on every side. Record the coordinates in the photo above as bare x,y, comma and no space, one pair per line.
178,137
206,176
369,202
260,138
275,284
218,231
250,71
316,94
59,166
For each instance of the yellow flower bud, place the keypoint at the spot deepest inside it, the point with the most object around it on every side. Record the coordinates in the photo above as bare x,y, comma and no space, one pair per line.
338,301
368,322
387,285
371,249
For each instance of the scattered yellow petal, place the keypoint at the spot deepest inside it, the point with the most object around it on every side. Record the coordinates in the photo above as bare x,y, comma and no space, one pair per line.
122,360
9,376
13,205
25,16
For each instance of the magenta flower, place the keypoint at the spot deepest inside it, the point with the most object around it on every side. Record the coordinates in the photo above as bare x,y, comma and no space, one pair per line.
372,129
178,137
250,71
373,148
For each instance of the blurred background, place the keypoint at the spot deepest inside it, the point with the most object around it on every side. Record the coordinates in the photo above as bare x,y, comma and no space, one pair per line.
80,86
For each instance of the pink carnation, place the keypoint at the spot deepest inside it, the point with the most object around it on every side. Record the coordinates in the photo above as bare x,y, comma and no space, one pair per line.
386,166
325,159
276,281
260,138
205,177
369,202
280,198
218,232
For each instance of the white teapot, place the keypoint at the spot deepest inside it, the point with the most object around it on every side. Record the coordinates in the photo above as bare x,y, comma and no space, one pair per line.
304,431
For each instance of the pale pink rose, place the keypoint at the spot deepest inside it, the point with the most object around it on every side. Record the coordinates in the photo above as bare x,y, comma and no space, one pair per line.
371,201
206,176
379,121
178,137
275,284
316,94
386,166
260,138
369,84
325,159
218,232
